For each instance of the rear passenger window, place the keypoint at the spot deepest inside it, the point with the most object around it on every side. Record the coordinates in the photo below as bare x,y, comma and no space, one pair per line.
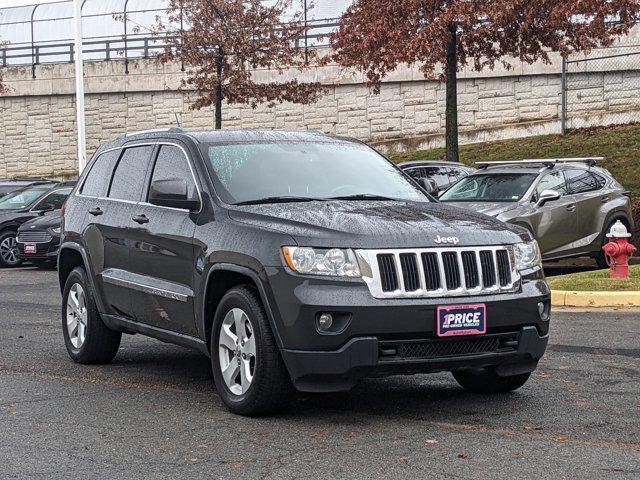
171,164
581,181
97,182
128,179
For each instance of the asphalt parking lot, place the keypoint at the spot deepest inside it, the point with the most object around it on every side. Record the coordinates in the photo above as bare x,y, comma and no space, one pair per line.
154,413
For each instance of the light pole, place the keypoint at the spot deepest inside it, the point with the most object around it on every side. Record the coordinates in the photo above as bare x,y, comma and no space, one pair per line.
82,144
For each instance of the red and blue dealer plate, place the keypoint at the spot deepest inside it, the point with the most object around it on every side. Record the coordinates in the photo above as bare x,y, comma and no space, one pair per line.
462,320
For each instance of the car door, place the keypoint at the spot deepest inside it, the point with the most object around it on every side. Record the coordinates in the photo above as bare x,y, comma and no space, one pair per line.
162,256
554,223
586,188
109,232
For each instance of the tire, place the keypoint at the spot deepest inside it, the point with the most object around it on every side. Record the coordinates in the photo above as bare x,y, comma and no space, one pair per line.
600,257
256,383
8,250
97,343
487,381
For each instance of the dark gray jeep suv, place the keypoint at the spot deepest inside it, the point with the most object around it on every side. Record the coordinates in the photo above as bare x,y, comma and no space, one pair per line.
293,260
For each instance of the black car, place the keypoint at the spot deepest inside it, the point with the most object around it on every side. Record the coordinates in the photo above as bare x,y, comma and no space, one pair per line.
293,260
38,240
434,175
8,185
21,205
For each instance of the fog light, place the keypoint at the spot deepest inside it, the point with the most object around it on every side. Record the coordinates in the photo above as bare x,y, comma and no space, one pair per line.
543,310
325,321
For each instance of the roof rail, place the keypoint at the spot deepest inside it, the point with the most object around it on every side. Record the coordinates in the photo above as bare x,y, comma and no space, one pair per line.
157,130
548,162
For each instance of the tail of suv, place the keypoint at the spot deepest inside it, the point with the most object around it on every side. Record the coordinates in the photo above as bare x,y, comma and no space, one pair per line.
294,261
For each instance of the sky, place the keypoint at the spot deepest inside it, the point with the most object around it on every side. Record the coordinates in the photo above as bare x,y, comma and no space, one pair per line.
16,3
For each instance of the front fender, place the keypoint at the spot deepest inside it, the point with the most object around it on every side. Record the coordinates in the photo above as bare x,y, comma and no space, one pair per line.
259,277
71,246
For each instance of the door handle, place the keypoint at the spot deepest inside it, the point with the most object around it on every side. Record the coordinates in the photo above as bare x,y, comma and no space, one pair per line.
96,211
604,199
140,219
571,208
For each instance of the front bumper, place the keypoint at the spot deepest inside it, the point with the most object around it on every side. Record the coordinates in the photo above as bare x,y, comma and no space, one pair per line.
373,336
45,251
326,371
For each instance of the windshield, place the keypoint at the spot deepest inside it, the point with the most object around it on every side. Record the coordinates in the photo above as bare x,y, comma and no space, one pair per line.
20,199
295,171
499,187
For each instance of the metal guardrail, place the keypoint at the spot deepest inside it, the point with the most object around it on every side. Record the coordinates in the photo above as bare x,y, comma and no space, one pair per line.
124,48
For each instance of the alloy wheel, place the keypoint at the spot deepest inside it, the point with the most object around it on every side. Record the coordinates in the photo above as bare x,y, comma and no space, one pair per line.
9,251
77,315
237,351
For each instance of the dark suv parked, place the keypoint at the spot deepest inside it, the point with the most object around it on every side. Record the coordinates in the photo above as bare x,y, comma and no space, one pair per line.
21,205
293,259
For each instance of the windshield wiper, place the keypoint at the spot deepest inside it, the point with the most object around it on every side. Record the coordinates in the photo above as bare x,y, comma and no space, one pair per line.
362,196
279,199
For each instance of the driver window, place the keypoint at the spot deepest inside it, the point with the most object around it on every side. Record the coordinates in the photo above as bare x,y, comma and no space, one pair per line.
171,163
53,201
552,181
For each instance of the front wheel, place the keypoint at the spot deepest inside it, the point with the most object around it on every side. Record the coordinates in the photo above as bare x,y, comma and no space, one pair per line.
486,380
249,372
87,338
9,250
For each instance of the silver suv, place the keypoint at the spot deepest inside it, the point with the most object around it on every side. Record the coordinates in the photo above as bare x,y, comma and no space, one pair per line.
567,204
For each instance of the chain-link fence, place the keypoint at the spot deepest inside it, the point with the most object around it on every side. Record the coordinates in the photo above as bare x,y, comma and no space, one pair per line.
602,88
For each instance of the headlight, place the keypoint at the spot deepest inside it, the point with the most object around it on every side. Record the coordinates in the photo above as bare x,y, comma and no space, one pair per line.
56,230
527,255
322,261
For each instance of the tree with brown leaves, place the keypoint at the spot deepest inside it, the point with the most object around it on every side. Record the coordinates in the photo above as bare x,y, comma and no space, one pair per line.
221,42
377,36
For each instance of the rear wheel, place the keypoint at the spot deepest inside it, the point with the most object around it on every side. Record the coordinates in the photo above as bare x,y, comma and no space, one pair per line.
486,380
87,338
9,250
249,373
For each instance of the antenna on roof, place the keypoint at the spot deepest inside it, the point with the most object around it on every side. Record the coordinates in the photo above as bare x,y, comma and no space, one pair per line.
177,120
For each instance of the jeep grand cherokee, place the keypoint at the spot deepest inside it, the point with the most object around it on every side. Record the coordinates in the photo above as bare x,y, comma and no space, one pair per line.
293,260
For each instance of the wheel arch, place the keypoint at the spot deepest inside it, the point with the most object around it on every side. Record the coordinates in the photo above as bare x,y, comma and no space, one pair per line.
70,256
221,277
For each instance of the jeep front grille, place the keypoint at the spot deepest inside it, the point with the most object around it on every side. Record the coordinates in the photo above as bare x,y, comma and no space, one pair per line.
439,272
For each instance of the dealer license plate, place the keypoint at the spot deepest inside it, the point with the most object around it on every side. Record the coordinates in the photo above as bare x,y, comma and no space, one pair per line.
462,320
30,248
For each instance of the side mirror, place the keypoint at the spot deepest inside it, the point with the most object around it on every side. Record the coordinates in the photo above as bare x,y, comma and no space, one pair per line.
429,186
173,193
47,207
547,196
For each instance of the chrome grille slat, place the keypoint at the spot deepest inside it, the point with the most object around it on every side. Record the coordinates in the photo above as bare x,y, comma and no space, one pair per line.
439,272
33,237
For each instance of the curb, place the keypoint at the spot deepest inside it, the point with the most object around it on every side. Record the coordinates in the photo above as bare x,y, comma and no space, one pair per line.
561,298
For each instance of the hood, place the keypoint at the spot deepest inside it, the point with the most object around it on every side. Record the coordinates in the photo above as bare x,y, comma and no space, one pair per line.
369,224
43,223
492,209
10,215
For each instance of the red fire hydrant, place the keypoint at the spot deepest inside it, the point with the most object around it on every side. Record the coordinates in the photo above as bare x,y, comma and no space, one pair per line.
618,250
